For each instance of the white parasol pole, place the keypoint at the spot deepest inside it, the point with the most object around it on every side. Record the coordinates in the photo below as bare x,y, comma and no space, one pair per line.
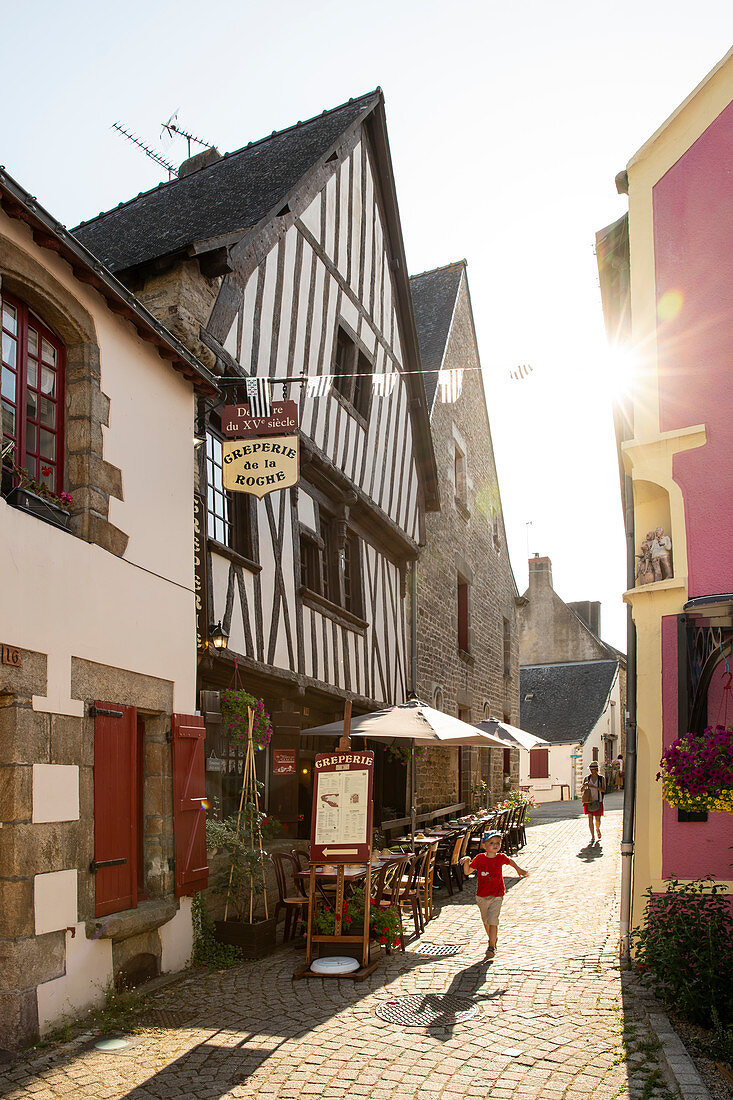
413,789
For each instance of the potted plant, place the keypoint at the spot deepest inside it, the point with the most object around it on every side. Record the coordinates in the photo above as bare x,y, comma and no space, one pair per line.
241,880
235,704
697,771
385,925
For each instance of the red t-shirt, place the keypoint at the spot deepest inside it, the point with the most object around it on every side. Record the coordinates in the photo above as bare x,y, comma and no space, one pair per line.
490,875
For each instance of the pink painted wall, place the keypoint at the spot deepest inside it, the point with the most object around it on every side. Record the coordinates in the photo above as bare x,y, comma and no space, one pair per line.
693,244
692,849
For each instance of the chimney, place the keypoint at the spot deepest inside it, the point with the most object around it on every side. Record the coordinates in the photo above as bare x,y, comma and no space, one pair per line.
540,574
199,160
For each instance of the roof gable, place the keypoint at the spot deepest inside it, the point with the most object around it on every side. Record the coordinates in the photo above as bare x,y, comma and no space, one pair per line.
232,194
565,700
434,297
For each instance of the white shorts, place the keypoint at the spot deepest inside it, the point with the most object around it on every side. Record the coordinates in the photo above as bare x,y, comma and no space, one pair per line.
490,908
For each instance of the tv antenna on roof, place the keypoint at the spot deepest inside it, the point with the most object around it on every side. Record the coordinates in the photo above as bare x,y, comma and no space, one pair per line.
171,127
172,170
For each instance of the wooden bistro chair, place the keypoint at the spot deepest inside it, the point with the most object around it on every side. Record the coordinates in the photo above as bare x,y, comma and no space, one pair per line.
509,835
424,881
388,888
409,893
463,852
447,865
291,896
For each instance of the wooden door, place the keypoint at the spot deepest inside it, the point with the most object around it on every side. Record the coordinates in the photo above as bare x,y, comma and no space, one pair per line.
189,803
115,808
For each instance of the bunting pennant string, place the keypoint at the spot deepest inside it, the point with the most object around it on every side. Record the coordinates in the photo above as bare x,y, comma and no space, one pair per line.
520,372
258,396
450,383
383,384
318,385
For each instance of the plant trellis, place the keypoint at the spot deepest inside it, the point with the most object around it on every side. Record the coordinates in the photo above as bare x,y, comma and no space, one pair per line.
249,823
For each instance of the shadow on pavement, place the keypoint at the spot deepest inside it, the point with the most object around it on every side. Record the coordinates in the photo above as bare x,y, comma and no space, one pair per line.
590,853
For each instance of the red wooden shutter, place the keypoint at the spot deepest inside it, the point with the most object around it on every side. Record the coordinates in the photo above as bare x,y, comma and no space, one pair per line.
189,809
115,808
463,616
507,762
595,752
539,764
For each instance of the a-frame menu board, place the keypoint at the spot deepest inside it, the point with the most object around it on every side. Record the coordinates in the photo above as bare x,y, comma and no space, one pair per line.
341,822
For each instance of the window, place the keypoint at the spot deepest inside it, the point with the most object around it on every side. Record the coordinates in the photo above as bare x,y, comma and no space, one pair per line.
228,516
32,386
353,373
463,615
507,648
459,472
539,763
333,574
352,576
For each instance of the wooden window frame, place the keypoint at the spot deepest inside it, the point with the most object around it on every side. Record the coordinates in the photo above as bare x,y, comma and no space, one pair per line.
352,369
236,514
460,476
507,647
26,318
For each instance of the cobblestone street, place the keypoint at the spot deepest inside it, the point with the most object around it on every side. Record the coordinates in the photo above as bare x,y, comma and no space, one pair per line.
551,1020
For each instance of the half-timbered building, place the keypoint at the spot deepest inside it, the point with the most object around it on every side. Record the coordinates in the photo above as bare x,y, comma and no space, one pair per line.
466,630
285,260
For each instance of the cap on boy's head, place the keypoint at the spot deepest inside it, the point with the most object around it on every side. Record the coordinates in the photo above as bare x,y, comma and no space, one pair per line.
490,835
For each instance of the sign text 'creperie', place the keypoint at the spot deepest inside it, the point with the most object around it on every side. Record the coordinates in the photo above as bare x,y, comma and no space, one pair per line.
237,423
260,466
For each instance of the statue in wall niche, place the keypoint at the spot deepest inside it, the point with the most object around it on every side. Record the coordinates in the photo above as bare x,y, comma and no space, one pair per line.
644,567
661,549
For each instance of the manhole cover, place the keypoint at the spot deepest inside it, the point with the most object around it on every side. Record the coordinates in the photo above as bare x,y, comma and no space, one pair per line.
427,1009
438,948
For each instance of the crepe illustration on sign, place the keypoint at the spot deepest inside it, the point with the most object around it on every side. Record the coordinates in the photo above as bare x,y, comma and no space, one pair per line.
342,808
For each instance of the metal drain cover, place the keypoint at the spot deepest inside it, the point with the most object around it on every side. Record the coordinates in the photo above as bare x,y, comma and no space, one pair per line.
438,948
427,1010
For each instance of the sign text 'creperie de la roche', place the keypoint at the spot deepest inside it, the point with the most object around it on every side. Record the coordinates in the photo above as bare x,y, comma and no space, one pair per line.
256,465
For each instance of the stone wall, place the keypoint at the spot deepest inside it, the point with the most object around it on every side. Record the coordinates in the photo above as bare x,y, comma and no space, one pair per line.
466,538
46,887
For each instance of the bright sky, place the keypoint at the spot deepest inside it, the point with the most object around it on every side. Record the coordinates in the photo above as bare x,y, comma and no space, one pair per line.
507,123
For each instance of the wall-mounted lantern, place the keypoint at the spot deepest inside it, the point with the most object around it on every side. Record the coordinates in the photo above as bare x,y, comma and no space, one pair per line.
218,636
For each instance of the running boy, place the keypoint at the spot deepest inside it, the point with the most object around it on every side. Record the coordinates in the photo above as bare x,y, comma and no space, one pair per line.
490,888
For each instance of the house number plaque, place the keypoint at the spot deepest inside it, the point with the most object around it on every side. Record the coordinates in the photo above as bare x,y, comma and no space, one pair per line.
11,656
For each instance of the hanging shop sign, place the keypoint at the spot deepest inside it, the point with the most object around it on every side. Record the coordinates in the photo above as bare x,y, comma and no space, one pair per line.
341,821
260,466
283,761
236,422
199,563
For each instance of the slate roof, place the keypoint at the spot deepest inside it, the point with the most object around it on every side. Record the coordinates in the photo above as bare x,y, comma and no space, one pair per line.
433,299
566,699
235,192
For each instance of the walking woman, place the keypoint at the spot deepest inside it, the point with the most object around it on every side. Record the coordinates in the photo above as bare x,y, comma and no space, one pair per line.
594,788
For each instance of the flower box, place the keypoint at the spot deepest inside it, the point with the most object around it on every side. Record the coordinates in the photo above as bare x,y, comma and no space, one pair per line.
255,940
697,772
39,506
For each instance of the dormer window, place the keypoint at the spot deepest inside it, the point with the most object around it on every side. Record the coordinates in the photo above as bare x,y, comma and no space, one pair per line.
352,373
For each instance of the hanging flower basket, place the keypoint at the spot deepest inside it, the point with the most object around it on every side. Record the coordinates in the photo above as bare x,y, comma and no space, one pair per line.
697,771
401,753
234,703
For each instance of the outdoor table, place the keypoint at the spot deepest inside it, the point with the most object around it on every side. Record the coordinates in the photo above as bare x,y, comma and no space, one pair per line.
352,871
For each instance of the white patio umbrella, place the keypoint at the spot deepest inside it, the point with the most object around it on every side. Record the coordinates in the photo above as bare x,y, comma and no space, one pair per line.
416,722
510,735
